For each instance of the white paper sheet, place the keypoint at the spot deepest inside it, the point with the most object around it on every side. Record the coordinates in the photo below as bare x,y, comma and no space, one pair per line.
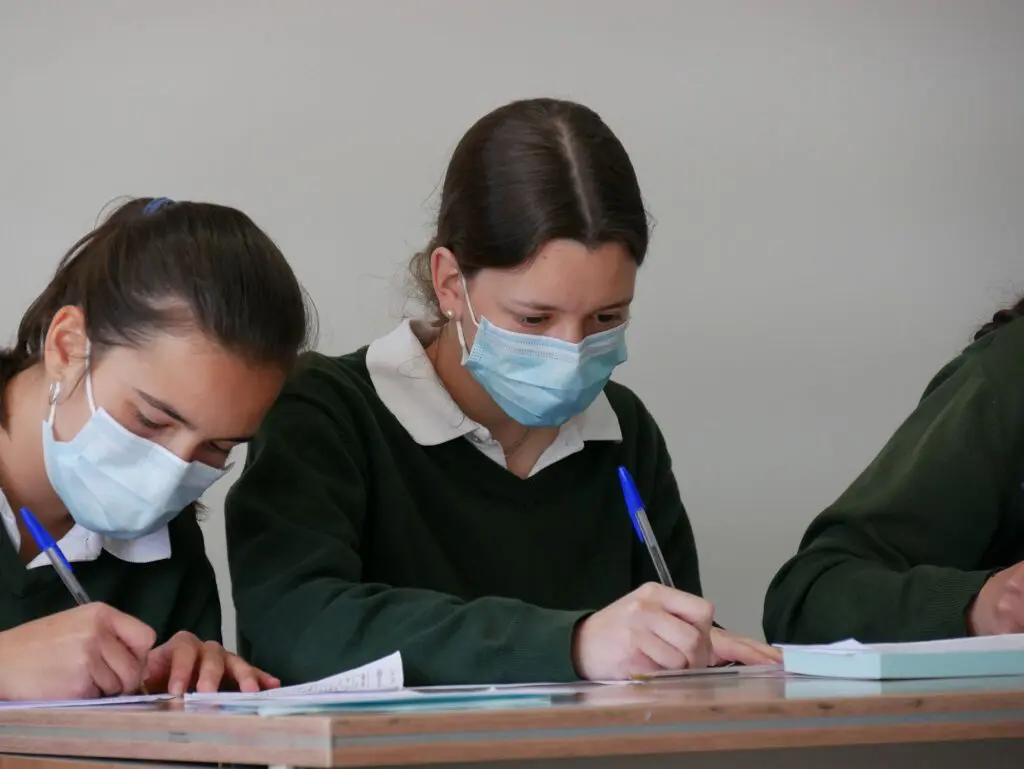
134,699
383,675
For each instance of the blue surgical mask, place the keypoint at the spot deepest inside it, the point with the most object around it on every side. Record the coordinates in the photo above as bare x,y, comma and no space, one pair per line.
540,381
116,483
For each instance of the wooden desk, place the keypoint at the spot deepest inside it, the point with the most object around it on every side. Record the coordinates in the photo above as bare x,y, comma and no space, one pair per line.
699,714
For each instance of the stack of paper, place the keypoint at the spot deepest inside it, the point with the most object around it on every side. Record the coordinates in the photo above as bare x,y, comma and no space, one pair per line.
955,658
383,675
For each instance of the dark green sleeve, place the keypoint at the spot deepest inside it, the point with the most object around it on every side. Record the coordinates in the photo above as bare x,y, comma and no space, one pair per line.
295,524
197,604
897,557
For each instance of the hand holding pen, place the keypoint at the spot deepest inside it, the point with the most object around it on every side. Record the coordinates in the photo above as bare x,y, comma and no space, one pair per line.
656,627
89,651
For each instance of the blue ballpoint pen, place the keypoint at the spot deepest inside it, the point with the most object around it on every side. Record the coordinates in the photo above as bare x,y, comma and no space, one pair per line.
60,563
638,515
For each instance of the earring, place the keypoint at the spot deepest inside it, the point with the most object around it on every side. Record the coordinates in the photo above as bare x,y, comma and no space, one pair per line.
449,314
54,392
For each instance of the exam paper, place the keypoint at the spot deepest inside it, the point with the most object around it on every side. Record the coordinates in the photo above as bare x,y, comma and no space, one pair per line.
134,699
381,675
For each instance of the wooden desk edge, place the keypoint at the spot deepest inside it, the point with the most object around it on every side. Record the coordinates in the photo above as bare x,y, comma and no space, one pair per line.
646,727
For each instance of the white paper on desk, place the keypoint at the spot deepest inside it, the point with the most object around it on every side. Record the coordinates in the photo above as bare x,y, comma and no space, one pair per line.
383,675
133,699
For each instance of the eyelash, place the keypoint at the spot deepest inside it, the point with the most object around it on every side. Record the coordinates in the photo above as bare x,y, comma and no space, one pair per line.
149,424
533,321
146,422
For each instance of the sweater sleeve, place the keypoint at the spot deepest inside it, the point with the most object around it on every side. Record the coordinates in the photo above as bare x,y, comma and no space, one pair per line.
897,557
296,521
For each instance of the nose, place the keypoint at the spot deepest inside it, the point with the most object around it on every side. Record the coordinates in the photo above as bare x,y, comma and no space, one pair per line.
183,444
572,332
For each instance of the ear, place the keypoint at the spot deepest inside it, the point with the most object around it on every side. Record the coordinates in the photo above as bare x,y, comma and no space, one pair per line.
65,349
447,279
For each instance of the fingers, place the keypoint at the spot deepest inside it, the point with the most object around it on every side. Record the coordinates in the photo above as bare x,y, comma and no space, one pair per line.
1010,604
248,678
118,670
687,646
729,648
211,668
136,636
184,650
694,610
266,680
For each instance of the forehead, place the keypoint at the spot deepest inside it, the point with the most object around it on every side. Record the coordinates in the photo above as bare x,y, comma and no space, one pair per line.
216,390
567,274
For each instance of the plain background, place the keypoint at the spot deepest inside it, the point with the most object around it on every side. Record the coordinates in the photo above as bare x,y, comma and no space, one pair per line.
838,189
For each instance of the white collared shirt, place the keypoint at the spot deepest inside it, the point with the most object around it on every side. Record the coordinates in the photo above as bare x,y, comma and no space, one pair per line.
80,544
408,386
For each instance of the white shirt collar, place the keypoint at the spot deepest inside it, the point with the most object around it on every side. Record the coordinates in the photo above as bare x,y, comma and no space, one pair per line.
408,386
80,544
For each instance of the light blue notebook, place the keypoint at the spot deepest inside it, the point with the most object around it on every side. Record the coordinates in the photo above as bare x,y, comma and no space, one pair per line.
954,658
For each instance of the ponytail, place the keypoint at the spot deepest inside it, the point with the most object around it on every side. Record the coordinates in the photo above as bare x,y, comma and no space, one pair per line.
1001,318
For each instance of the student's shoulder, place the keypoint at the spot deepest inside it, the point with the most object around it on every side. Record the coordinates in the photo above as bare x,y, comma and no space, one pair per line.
331,381
635,421
993,364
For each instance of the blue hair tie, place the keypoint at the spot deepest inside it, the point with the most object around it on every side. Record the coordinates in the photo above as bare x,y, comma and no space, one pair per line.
155,205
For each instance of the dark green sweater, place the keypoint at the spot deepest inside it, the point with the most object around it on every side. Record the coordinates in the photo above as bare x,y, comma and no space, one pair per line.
179,593
348,541
904,551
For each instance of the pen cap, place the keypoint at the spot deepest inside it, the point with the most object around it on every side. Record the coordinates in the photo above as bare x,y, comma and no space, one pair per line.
41,535
633,502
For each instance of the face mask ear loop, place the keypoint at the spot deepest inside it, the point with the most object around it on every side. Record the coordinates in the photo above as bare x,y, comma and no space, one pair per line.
469,304
88,376
53,397
472,316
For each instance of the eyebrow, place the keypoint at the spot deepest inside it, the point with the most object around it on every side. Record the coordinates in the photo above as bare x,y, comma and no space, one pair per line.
542,307
176,415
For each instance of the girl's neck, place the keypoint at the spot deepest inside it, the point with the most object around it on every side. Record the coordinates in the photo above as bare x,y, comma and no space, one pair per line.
23,478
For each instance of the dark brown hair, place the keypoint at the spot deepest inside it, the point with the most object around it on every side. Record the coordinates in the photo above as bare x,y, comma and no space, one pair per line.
528,173
1001,318
157,265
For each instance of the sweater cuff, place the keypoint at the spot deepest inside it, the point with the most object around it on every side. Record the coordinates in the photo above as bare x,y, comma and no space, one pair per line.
544,652
944,612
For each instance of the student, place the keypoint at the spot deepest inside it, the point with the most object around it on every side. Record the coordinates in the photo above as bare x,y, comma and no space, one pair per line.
928,542
450,491
163,338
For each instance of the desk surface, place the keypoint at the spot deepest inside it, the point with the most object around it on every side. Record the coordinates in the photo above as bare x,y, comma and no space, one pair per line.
699,713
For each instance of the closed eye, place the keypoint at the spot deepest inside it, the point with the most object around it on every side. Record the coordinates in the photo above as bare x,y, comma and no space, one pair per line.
220,448
146,422
532,321
610,317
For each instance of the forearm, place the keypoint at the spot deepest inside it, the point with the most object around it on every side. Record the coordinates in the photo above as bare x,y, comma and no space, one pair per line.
442,640
870,602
